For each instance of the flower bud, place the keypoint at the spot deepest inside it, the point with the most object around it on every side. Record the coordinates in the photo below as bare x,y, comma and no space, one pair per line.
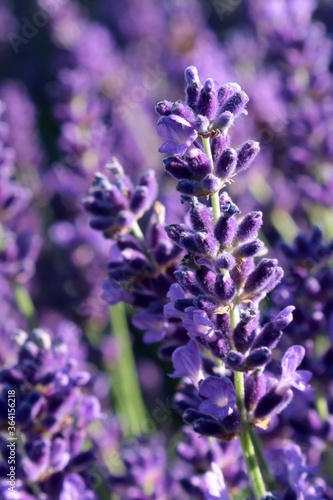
207,103
218,145
181,109
225,288
208,426
211,184
177,167
236,103
193,87
240,272
200,215
225,261
260,277
254,389
258,358
272,402
206,279
268,337
190,188
226,91
231,425
225,230
182,304
226,163
246,154
249,227
187,280
244,334
200,165
163,108
249,249
207,304
235,361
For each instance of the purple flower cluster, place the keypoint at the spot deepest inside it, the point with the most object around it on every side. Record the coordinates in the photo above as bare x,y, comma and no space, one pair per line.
142,265
51,419
249,336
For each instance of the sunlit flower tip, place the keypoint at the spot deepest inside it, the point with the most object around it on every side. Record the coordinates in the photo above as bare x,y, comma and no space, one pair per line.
179,133
284,318
163,108
220,397
223,120
236,103
215,484
207,103
249,227
187,362
192,76
246,154
226,91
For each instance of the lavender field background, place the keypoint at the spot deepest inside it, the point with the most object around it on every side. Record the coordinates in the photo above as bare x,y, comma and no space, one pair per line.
92,321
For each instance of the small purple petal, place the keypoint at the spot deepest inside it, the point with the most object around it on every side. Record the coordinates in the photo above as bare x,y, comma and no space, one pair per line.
187,362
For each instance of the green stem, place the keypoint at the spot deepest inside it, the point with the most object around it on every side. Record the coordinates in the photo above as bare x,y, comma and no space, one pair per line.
215,198
126,385
268,478
25,304
254,472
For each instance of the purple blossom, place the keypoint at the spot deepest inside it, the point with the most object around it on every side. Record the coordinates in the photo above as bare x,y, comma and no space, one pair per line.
215,483
221,397
198,324
180,134
291,377
187,363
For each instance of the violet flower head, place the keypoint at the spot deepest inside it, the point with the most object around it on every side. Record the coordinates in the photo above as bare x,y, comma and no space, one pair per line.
220,397
52,413
208,112
116,205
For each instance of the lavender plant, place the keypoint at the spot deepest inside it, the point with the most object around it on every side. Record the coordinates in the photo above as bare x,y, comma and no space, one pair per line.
230,384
